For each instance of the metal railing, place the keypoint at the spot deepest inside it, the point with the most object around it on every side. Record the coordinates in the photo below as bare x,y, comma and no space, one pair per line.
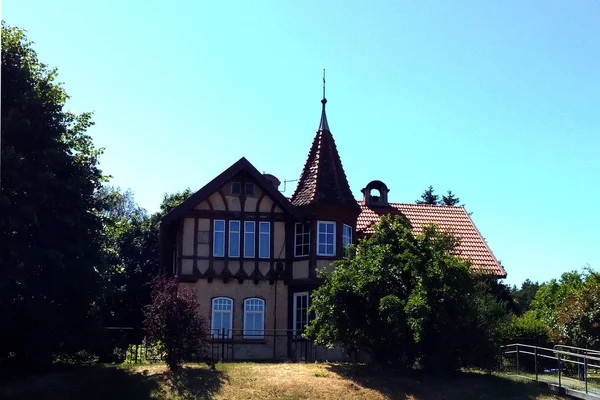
268,344
574,356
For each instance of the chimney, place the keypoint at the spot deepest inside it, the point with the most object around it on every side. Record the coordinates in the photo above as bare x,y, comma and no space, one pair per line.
273,180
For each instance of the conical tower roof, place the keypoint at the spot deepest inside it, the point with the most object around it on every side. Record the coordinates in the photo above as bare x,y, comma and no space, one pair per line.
323,180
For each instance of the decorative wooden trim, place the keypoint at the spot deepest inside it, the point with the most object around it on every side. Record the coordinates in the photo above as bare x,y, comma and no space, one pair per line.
180,247
195,267
211,270
210,206
259,201
220,191
219,214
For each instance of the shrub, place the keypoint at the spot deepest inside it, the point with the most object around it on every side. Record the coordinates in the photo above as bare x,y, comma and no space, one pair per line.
172,320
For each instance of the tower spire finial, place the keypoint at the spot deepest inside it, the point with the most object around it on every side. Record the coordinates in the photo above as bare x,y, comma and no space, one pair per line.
323,126
323,83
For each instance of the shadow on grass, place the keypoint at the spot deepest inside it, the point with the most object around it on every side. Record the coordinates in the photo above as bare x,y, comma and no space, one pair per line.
105,382
414,384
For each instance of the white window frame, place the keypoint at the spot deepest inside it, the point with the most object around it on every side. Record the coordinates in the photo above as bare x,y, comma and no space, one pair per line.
303,225
295,309
218,331
254,333
261,237
214,238
238,232
344,237
247,232
319,224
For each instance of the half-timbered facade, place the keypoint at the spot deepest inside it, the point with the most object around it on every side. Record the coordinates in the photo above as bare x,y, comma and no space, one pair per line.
252,255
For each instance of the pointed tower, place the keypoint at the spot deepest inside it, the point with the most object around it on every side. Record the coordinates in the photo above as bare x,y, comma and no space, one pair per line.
324,198
323,180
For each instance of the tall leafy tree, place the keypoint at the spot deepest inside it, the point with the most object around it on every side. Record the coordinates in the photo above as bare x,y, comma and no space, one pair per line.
131,253
551,296
50,222
525,295
403,298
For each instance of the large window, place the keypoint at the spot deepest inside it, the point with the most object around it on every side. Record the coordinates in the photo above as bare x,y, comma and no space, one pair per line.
346,237
249,227
300,312
254,319
326,238
219,238
222,316
264,239
302,239
234,238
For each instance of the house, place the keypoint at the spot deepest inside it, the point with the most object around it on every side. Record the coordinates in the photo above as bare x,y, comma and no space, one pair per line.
252,255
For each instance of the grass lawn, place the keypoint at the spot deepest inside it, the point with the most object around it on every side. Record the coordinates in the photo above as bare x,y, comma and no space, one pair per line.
263,381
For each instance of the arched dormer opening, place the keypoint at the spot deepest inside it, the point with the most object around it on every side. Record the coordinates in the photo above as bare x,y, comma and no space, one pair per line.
375,194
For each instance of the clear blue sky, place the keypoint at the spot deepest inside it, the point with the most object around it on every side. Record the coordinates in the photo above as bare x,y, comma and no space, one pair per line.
496,100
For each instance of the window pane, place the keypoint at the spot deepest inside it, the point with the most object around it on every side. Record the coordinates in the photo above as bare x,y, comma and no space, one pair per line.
219,245
219,225
249,239
265,227
329,228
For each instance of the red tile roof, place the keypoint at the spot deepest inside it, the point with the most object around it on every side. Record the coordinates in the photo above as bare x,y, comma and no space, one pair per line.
323,179
472,246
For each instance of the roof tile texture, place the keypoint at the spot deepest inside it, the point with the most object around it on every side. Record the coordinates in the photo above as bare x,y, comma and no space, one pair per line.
323,179
471,246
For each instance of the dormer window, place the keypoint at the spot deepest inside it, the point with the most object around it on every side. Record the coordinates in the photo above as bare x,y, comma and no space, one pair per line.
249,189
236,188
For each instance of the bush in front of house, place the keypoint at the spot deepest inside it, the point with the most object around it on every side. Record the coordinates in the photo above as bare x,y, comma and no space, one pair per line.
407,301
172,319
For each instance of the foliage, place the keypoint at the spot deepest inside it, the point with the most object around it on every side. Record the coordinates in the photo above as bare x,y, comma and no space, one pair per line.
131,252
50,221
551,295
578,317
405,298
429,197
525,295
172,319
526,328
450,199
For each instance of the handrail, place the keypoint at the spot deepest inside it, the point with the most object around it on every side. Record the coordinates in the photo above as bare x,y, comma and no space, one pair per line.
562,352
592,351
580,359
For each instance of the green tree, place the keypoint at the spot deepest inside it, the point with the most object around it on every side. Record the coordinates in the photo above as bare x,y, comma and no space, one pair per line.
131,253
551,295
449,199
404,298
428,197
50,221
578,317
525,295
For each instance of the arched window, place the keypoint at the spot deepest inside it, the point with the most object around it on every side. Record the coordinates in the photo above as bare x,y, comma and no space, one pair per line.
222,317
254,318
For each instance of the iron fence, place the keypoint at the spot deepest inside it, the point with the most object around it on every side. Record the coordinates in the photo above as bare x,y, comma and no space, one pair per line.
228,345
568,367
